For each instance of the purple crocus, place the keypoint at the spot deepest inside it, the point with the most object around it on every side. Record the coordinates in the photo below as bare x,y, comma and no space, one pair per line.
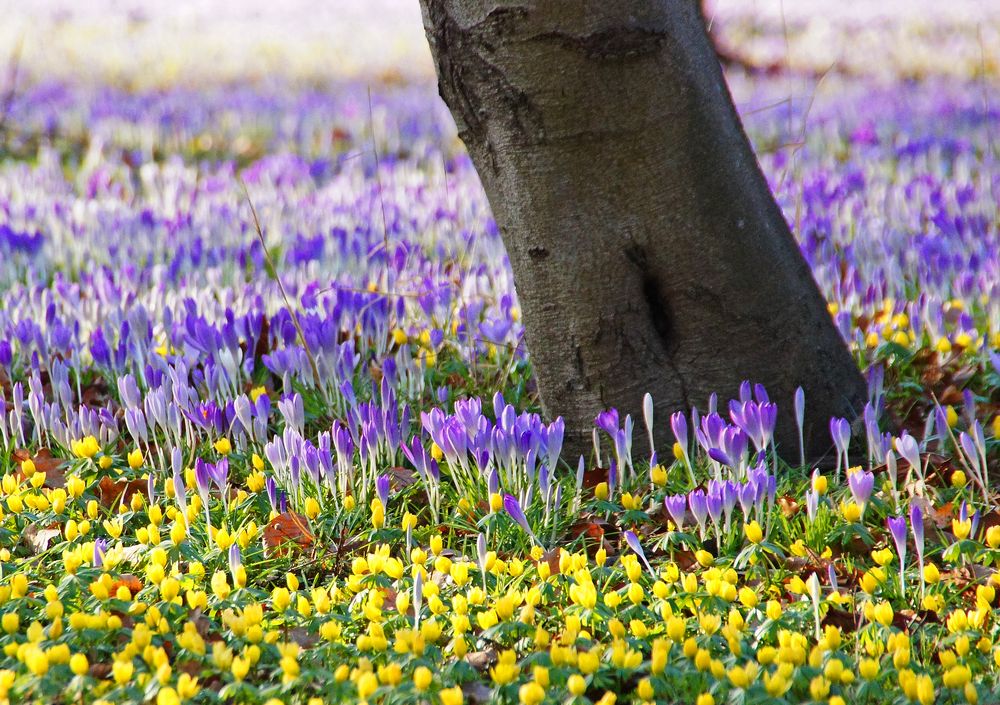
897,527
235,561
917,526
800,417
812,504
861,483
715,503
203,481
840,431
179,491
910,450
698,503
675,505
607,421
647,417
513,508
100,550
271,488
730,496
747,496
382,490
220,476
678,424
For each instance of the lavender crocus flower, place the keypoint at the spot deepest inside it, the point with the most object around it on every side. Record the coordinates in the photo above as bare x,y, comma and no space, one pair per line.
271,488
647,417
675,505
100,550
897,527
840,431
910,450
800,416
220,475
917,526
812,504
678,424
382,490
513,508
179,491
235,560
861,483
747,496
607,421
698,503
203,481
715,503
719,455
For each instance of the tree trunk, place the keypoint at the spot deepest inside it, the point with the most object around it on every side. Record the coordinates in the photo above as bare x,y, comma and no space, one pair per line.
648,252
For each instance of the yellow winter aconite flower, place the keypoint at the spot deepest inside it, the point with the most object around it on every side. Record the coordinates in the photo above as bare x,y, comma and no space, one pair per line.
531,693
78,664
378,513
883,557
87,447
753,531
819,484
851,511
122,671
704,558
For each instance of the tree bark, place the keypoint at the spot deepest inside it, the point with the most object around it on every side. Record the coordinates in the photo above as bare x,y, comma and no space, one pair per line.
648,252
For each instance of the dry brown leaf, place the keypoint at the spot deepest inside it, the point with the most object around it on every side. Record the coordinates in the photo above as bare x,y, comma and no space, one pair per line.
55,476
288,530
110,491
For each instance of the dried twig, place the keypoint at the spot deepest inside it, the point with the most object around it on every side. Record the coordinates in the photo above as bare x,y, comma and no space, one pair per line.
291,310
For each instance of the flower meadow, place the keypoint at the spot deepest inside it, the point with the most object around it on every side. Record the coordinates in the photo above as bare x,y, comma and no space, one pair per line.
268,432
